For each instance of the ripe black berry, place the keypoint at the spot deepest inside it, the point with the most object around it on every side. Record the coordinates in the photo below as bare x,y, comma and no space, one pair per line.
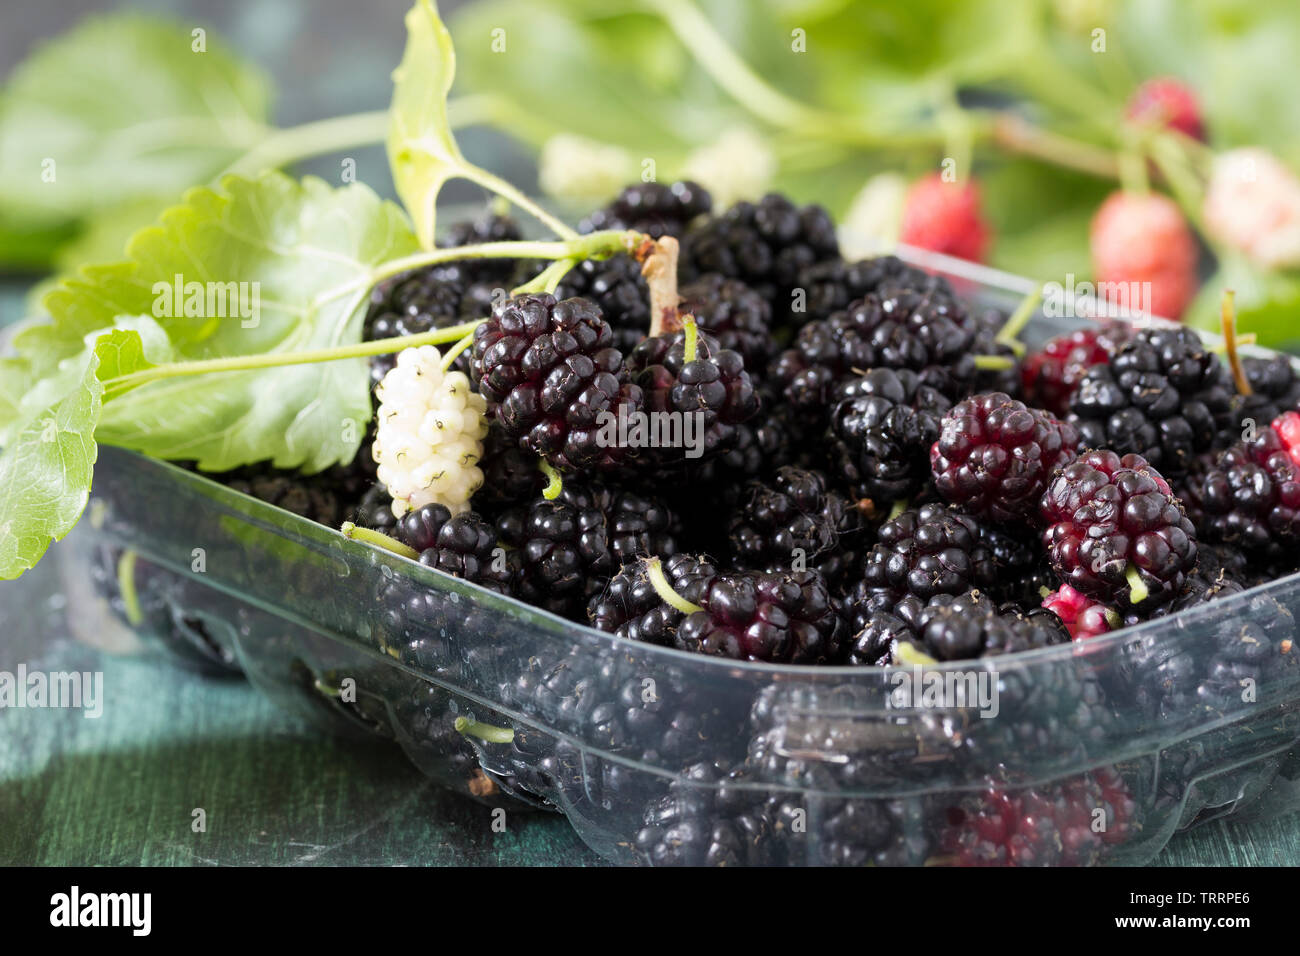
617,288
786,618
631,607
765,243
655,209
1250,499
549,375
796,521
712,384
897,327
933,549
881,431
736,316
1163,396
833,285
571,546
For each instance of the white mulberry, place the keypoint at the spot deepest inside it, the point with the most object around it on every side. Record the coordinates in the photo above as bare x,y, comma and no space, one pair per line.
430,430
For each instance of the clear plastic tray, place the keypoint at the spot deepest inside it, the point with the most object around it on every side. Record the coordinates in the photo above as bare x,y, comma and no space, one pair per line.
504,702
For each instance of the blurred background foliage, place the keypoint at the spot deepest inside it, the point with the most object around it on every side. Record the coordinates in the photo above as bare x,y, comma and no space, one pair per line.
817,98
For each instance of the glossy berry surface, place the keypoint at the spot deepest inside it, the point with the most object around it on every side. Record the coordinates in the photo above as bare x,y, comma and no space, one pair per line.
1107,516
1164,396
796,520
933,549
550,374
656,209
1250,498
995,455
925,331
1053,373
778,618
880,432
765,243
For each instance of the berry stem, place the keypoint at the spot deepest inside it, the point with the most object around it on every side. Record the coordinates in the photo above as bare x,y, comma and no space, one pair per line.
596,245
994,363
241,363
698,34
908,655
691,342
655,572
1133,172
1228,318
1138,591
126,587
1009,334
505,190
378,539
456,349
1017,135
487,732
898,508
284,147
554,482
660,271
548,279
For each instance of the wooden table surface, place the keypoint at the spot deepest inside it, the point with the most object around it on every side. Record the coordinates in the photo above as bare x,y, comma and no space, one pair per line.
122,789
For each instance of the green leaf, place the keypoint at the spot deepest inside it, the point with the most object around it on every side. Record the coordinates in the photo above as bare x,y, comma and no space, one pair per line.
45,471
1040,216
132,345
1266,303
294,264
613,86
121,108
421,148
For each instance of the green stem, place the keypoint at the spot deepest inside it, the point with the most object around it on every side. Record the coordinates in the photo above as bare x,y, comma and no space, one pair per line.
456,349
728,70
554,482
284,147
994,363
487,732
504,189
1133,171
126,587
1175,167
240,363
287,146
655,571
1138,591
378,539
899,507
1009,334
1016,135
548,279
691,340
908,655
596,245
957,132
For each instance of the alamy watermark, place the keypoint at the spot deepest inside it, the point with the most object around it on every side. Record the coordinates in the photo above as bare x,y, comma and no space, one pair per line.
77,909
81,690
1099,300
918,688
638,429
208,300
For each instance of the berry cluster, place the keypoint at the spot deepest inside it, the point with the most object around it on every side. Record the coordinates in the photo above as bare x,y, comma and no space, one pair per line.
840,463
